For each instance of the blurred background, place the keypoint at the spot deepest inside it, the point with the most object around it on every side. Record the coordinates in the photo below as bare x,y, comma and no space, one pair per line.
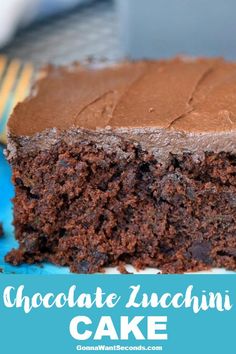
58,31
61,31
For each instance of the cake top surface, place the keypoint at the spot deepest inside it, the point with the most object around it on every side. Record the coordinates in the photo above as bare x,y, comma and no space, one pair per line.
186,95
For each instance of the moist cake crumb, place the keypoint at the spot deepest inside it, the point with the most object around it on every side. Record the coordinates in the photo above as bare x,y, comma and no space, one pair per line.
155,189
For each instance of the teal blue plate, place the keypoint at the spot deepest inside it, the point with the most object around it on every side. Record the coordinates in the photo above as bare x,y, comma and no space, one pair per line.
7,242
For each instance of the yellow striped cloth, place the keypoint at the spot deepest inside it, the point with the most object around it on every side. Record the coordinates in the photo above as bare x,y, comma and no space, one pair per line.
15,81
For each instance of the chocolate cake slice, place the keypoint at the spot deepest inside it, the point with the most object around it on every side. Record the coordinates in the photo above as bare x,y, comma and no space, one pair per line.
133,163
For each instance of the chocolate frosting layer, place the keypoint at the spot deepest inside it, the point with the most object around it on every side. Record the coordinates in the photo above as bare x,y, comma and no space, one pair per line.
167,107
184,95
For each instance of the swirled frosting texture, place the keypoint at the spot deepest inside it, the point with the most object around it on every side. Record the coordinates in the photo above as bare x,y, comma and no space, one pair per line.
189,96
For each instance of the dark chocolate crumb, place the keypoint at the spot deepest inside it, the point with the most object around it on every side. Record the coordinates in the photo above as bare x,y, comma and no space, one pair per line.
97,208
201,251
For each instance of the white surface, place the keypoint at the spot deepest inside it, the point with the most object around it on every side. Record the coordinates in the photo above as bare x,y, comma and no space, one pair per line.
131,269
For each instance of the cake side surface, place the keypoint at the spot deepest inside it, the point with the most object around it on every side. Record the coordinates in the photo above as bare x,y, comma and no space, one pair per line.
87,207
134,163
